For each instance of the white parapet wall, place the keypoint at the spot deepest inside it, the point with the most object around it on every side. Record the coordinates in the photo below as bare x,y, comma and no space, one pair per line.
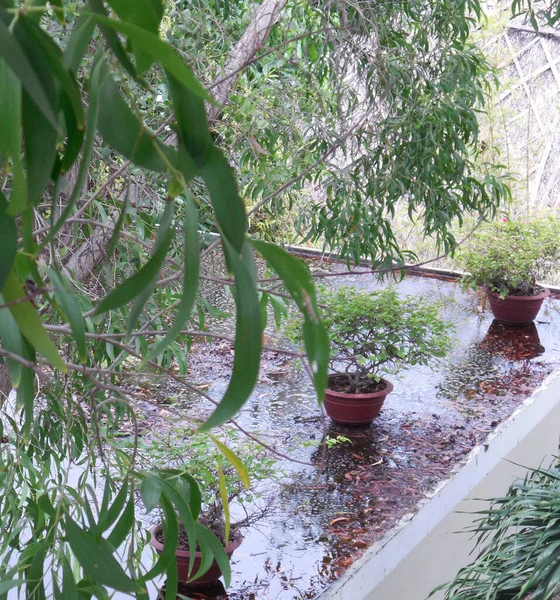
428,547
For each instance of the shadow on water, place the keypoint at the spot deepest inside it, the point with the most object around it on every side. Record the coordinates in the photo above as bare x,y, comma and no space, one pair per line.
356,487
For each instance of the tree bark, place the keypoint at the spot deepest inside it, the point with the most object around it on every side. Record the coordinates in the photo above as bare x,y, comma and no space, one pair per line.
88,255
243,51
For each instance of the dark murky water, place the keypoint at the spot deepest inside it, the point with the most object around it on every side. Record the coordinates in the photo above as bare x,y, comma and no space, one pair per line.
321,521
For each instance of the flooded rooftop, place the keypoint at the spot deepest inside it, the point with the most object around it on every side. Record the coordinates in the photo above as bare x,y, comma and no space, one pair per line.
323,514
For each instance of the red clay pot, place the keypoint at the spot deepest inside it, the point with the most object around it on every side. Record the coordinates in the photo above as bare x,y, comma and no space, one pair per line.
183,557
355,409
515,309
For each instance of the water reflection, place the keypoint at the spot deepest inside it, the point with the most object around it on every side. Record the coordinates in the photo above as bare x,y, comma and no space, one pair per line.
322,520
502,360
514,343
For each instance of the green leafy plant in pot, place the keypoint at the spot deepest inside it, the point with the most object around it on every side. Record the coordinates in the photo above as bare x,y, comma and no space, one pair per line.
207,479
508,259
374,334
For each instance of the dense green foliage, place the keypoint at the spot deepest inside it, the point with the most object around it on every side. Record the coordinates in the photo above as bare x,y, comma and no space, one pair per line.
61,448
510,257
386,119
520,557
378,333
111,177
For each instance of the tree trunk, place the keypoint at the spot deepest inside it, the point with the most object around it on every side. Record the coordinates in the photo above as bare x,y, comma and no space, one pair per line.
88,255
243,51
85,259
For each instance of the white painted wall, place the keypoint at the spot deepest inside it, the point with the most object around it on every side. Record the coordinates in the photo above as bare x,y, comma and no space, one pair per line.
428,549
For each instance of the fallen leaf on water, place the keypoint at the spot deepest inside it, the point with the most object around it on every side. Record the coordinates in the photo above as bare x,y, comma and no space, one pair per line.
344,562
339,520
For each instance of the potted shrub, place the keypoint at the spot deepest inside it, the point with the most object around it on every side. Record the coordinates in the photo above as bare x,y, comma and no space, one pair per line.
508,259
223,484
374,334
215,524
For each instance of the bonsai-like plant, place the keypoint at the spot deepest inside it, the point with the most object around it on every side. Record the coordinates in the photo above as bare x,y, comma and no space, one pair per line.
378,333
511,257
225,488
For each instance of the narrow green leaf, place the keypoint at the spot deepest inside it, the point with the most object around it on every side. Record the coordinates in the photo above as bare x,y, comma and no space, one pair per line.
248,343
78,43
40,134
133,286
171,581
171,533
191,266
143,14
18,61
118,225
185,164
195,495
69,589
170,59
279,308
123,131
110,514
6,586
35,586
263,302
57,593
222,188
225,500
158,8
124,525
235,461
53,56
217,549
299,283
99,71
96,561
29,322
26,389
18,197
206,559
97,7
164,235
10,338
40,148
185,514
45,504
191,120
8,237
150,492
72,312
74,137
10,110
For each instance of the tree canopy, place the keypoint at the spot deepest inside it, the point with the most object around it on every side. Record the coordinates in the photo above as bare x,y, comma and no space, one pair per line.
117,166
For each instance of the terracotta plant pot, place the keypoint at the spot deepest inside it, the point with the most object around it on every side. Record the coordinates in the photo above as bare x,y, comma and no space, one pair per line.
356,409
515,309
183,557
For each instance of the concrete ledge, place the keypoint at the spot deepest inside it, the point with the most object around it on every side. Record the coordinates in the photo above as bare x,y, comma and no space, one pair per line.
426,548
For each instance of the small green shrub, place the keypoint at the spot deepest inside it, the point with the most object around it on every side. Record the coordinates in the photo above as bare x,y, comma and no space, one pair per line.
510,257
379,333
